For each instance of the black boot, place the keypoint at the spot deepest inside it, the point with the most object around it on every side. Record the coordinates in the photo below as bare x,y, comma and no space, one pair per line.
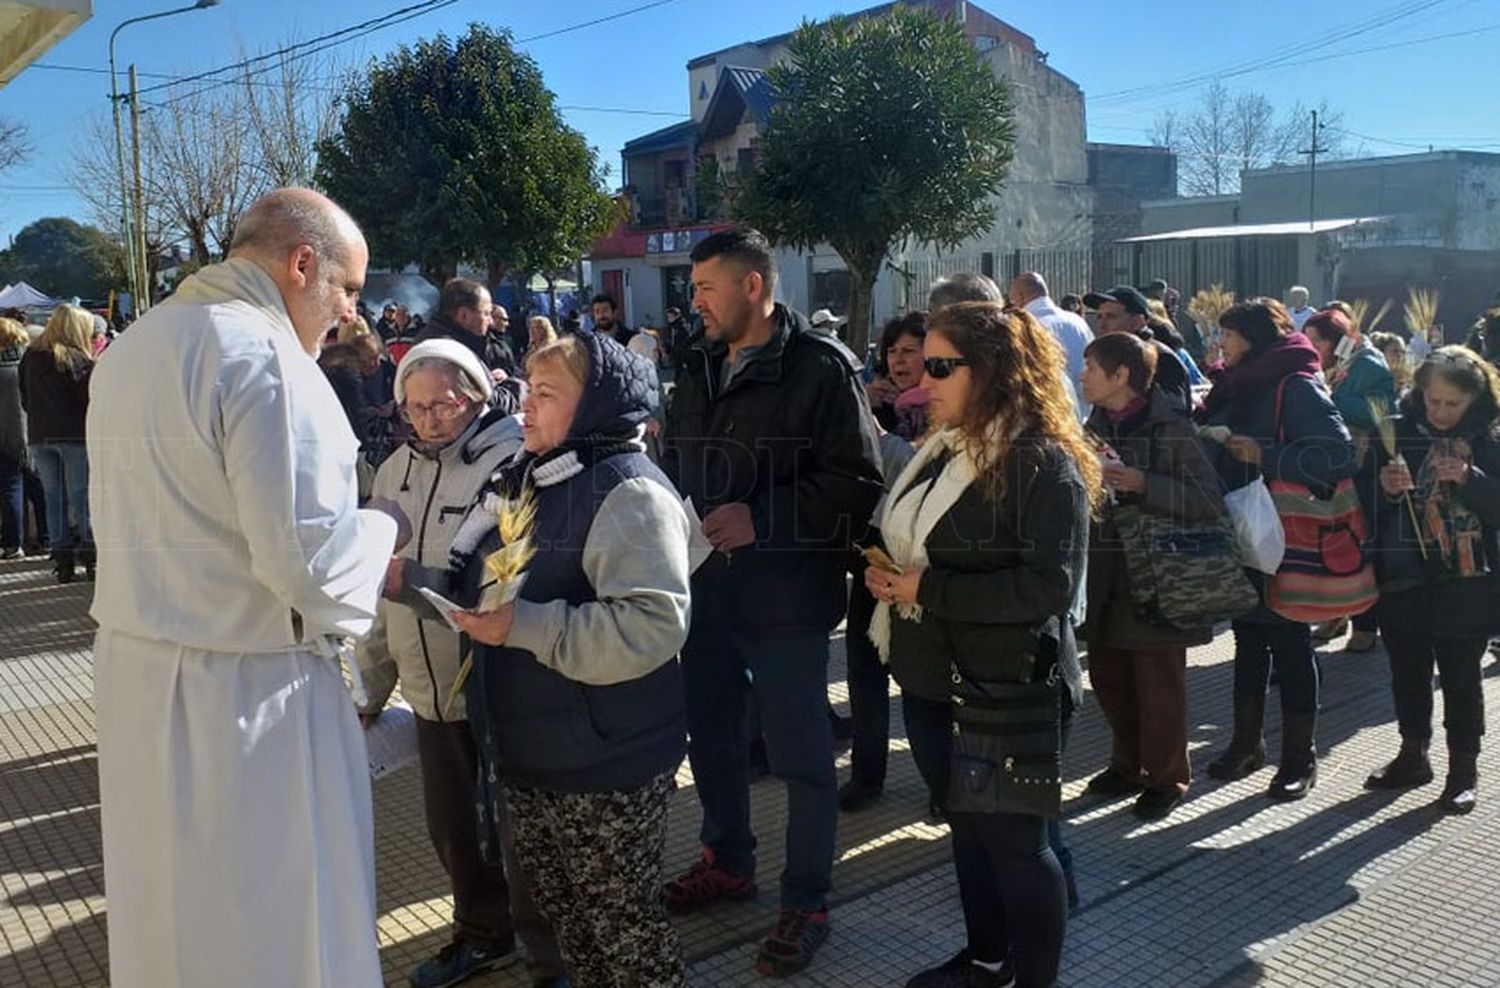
64,563
1461,791
1409,769
88,557
1247,749
1299,759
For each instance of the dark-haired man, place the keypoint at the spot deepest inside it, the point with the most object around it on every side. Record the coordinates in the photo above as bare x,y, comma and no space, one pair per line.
770,435
1123,309
466,313
605,313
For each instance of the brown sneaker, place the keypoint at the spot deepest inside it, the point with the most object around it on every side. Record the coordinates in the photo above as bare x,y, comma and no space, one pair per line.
704,884
791,946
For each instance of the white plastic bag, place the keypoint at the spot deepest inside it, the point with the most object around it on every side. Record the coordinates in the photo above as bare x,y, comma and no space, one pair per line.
1257,526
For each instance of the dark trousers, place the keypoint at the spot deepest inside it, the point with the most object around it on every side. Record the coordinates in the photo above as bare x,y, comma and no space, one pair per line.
594,859
1367,620
788,672
12,503
1291,645
929,731
488,910
869,690
1143,693
1413,654
36,497
1010,883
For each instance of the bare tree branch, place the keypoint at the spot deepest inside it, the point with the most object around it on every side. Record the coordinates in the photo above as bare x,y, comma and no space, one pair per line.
15,143
289,115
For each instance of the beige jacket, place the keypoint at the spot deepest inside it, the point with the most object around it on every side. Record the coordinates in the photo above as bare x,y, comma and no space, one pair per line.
435,492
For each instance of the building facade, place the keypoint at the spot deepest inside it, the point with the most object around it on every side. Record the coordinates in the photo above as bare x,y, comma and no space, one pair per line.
680,183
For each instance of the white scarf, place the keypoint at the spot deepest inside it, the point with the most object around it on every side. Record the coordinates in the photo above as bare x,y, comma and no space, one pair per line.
911,512
235,280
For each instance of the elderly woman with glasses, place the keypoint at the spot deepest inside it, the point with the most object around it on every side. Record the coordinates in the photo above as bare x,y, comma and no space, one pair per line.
457,443
1435,512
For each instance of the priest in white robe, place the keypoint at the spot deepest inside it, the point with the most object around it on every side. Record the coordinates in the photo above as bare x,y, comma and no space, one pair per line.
234,789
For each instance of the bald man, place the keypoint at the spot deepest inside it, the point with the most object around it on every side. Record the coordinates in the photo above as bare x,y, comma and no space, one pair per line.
1029,291
233,562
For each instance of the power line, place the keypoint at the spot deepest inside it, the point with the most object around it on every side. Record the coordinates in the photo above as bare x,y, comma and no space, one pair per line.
365,27
1244,67
598,20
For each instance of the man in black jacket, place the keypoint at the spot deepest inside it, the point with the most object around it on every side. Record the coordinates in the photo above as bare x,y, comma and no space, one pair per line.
1124,310
770,436
606,312
466,314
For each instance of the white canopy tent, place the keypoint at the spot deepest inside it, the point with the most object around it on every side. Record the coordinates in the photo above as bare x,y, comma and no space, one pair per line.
23,296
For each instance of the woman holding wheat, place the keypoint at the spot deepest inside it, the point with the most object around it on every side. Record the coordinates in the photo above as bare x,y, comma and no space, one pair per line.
1432,493
579,583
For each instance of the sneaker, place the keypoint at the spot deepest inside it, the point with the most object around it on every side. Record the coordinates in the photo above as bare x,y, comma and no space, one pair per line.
704,884
1155,804
791,946
1112,783
962,972
459,962
11,554
1329,630
855,795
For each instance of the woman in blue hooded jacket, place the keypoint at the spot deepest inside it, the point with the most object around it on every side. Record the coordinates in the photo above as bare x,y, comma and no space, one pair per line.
575,696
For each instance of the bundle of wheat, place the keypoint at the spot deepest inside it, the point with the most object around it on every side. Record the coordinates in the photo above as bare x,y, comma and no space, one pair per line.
1421,309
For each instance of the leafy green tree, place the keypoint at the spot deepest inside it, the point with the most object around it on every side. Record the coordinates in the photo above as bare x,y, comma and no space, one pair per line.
63,258
888,129
454,152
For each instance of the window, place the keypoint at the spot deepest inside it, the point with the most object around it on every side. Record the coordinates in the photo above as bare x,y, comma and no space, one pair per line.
746,161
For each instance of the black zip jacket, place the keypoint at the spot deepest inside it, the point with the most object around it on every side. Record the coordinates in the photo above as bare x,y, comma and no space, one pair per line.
793,438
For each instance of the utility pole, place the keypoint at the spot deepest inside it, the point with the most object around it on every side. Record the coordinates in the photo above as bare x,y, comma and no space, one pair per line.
138,233
1312,153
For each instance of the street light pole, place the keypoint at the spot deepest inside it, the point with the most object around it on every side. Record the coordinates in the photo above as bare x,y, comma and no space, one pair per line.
127,230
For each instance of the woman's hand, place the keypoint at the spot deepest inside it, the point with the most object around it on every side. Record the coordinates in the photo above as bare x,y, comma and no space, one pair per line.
1127,480
893,588
881,391
394,578
1244,449
1395,478
490,628
1450,469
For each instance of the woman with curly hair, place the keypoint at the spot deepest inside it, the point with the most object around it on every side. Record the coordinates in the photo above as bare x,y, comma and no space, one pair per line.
986,531
1435,514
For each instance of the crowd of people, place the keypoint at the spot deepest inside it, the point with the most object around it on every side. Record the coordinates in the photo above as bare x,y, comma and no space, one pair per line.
978,507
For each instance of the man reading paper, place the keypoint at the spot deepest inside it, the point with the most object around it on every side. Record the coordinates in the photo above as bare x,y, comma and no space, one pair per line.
235,798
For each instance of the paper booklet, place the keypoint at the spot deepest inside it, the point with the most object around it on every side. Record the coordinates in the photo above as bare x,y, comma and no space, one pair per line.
391,740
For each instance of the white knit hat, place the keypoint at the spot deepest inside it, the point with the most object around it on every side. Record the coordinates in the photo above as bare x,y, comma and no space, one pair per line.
451,351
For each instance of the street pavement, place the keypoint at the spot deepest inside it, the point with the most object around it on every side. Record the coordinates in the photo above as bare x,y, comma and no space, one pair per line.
1345,888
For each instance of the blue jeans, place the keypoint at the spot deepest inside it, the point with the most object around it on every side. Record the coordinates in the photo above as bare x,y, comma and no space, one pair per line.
12,504
64,469
788,670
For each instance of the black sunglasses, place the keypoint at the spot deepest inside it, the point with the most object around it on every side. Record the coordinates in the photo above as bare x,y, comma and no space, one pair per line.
940,367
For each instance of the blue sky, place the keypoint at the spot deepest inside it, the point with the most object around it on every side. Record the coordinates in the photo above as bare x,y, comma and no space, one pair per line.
1432,80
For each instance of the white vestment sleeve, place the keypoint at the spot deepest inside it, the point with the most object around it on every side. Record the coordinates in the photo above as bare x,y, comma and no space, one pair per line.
289,457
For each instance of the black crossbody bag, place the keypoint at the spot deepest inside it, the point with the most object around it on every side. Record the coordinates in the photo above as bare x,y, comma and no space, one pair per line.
1007,746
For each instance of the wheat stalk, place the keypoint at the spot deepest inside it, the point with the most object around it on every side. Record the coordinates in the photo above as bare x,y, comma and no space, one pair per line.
1209,304
1385,427
1421,309
1359,310
515,520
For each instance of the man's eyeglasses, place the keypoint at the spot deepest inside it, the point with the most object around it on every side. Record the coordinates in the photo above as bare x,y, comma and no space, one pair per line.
940,367
444,411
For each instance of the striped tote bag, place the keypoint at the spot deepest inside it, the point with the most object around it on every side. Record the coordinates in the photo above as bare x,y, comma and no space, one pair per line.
1325,574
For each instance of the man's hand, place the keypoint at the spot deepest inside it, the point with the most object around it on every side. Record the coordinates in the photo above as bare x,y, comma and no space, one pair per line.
881,391
403,524
729,527
499,376
491,628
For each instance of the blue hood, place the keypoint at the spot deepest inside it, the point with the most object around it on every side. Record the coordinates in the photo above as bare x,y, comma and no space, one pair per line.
619,392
